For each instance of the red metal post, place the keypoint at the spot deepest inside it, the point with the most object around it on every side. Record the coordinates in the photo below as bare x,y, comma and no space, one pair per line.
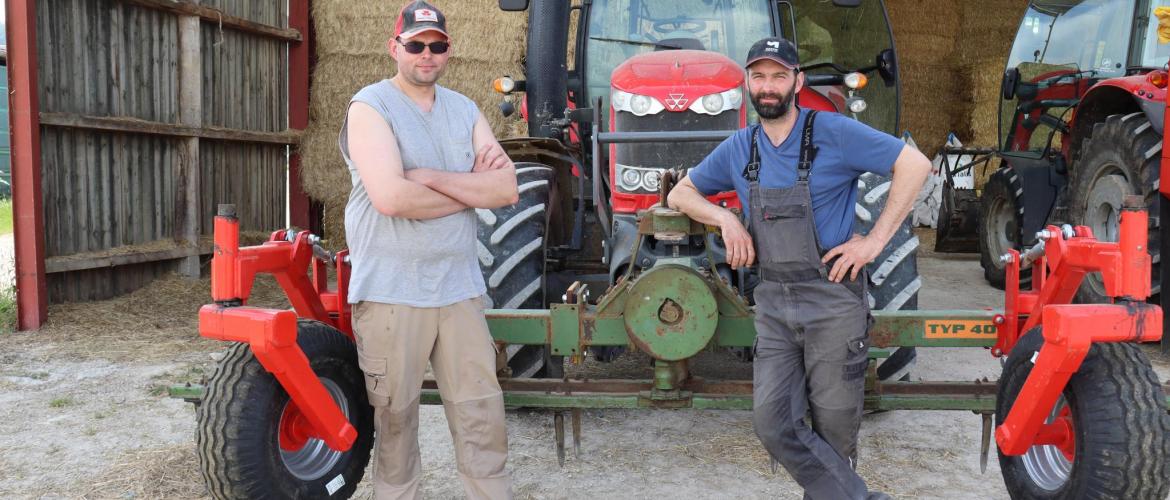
298,109
24,106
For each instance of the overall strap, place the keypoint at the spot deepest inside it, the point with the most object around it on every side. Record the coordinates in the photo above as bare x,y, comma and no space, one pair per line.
751,171
808,152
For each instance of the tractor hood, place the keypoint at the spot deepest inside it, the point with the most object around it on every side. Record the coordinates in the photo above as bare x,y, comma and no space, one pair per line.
677,78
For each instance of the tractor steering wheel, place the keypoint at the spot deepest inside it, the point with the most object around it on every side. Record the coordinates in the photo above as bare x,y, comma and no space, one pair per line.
678,24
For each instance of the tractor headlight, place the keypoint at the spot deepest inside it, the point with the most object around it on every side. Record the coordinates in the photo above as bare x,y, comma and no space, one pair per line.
640,105
650,179
620,100
629,179
713,104
856,104
638,179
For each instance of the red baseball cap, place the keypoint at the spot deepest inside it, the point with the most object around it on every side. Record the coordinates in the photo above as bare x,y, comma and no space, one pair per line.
417,17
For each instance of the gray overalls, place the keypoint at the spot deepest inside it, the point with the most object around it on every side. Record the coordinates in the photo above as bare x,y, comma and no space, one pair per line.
811,342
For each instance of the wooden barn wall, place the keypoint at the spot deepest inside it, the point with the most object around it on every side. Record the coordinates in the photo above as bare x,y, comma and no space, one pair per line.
114,193
244,87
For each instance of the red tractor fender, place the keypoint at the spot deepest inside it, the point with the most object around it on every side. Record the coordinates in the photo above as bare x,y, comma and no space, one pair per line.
1123,95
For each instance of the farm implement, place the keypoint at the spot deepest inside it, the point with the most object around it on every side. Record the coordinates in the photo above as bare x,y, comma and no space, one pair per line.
286,407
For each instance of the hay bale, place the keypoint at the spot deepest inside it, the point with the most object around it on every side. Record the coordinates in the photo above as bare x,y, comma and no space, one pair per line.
919,17
931,103
351,41
984,78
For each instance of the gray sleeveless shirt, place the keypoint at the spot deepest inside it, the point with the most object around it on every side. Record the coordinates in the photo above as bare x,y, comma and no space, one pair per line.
420,263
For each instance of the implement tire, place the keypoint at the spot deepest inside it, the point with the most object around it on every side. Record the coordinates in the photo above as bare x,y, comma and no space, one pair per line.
1001,223
511,249
1120,426
893,275
238,426
1122,156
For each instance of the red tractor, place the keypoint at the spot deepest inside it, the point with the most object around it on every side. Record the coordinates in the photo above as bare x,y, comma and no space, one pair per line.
1081,121
652,87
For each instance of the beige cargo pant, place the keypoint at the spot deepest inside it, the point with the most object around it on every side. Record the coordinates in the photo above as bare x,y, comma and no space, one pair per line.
394,344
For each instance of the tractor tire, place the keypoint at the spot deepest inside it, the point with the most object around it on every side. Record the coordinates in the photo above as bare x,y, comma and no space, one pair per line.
893,275
1120,426
1001,223
1121,157
238,430
511,248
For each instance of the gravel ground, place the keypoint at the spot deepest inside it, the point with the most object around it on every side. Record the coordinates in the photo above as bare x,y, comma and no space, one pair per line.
78,421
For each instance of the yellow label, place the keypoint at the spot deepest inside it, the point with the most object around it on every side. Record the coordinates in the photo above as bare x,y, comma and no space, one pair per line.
971,329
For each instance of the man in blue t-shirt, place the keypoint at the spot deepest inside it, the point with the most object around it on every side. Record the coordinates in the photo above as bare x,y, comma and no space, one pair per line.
796,174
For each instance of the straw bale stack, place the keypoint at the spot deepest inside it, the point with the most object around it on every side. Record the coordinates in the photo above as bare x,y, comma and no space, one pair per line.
925,33
351,38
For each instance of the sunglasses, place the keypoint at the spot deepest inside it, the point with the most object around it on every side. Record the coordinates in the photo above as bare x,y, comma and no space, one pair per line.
416,47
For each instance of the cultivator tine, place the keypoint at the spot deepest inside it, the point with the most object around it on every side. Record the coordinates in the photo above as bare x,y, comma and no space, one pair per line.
775,465
986,446
577,432
559,427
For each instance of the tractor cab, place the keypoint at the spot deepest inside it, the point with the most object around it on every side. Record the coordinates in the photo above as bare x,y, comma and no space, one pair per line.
1062,49
676,66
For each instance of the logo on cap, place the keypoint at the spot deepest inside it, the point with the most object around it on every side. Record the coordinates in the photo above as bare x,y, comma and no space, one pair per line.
421,15
774,44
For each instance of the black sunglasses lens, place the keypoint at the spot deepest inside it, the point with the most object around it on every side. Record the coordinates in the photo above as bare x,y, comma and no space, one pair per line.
417,47
414,47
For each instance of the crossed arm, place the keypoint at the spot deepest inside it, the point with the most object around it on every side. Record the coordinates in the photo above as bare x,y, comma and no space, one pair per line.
424,193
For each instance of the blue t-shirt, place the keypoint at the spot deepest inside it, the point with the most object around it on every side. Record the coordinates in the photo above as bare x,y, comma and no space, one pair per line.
848,148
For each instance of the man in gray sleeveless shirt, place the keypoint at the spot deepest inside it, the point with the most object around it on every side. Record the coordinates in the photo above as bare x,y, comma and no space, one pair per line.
421,159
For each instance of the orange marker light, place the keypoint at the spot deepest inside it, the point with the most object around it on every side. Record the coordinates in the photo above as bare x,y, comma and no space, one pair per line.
504,85
856,81
1158,79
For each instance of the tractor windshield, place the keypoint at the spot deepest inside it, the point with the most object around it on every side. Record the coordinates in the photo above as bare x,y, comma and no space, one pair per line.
1059,43
1152,53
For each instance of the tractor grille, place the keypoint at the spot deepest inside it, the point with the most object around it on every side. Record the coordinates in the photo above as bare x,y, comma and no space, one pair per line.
670,155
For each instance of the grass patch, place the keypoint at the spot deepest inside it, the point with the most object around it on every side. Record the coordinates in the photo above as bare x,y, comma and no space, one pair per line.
8,310
62,402
6,216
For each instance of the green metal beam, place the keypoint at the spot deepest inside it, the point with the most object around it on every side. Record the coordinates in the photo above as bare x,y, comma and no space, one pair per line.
569,327
906,399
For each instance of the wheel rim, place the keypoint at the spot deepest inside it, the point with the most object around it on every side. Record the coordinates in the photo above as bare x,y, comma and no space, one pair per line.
313,459
1103,212
1001,222
1103,208
1047,465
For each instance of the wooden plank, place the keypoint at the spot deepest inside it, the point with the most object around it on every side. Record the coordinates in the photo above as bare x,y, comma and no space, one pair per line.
190,115
130,254
217,17
137,126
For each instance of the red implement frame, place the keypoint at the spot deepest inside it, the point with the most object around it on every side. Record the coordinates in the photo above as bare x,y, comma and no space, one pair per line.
272,333
1070,330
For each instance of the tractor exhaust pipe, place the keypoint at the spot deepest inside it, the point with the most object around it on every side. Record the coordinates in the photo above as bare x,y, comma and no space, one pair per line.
545,69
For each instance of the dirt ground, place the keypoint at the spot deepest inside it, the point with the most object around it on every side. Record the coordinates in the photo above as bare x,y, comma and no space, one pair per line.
83,414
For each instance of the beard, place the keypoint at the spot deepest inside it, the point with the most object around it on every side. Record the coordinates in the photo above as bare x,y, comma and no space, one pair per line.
773,111
420,78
